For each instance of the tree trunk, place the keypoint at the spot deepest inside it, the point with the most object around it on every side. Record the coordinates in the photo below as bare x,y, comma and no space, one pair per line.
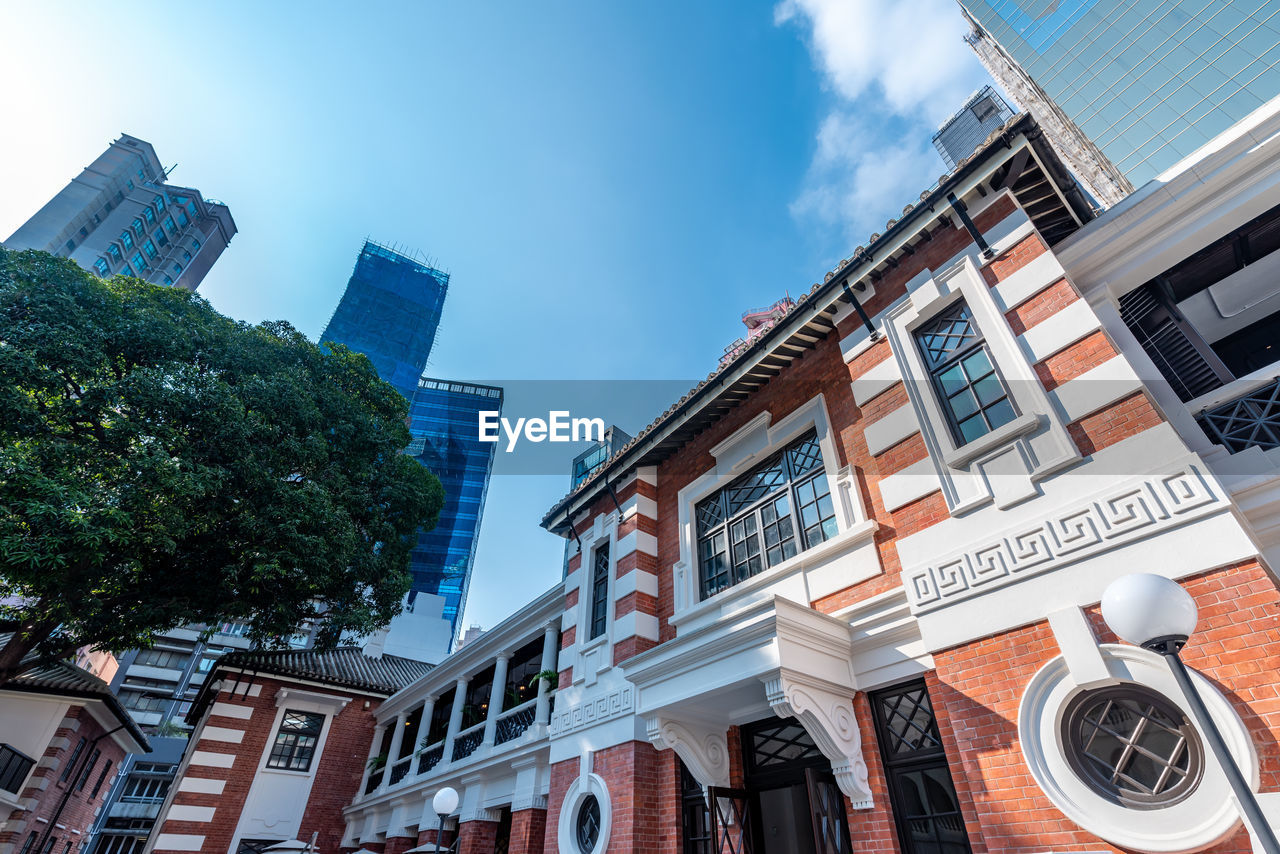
21,642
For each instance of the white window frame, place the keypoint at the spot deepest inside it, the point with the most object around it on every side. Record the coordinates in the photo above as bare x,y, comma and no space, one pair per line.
810,574
1004,464
592,656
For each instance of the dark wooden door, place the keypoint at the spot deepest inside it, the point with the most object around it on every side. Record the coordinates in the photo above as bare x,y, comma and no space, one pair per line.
826,807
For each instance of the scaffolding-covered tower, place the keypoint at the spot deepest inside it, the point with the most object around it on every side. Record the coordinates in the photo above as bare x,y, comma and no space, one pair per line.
968,127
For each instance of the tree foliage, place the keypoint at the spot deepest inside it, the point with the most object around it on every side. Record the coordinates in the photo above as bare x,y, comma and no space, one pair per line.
161,464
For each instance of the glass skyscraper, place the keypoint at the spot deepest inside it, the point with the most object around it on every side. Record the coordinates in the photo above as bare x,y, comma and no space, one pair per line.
444,421
1145,81
390,312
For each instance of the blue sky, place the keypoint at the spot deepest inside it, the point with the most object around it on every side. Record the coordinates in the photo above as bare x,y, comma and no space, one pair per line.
610,183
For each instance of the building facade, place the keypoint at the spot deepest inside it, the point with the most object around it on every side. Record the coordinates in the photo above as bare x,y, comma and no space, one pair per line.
157,687
121,216
844,594
1128,89
443,419
983,113
390,312
63,737
279,745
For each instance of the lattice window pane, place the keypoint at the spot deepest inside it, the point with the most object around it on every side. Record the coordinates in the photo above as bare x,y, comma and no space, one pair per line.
778,745
948,332
805,455
1133,747
909,722
710,513
755,485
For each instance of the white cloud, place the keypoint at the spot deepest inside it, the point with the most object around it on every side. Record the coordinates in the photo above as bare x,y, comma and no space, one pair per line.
897,68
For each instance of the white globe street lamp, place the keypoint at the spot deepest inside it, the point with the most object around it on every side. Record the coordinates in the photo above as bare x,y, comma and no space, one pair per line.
444,803
1155,613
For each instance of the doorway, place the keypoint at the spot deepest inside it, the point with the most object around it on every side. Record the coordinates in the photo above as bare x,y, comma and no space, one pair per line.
790,803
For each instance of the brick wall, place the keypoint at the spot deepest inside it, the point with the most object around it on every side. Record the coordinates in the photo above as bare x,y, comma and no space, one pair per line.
45,789
341,767
528,831
477,837
644,793
977,688
338,769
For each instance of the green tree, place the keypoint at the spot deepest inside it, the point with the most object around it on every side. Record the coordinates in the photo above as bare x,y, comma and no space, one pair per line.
161,464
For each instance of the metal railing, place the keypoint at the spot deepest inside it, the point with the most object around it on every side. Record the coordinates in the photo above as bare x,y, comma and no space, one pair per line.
400,769
1251,420
513,724
430,757
467,741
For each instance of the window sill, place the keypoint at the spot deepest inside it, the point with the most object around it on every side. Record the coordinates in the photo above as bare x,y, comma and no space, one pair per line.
837,545
1003,435
600,640
287,772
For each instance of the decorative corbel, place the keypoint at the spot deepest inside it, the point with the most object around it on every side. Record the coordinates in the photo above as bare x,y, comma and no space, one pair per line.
702,747
828,718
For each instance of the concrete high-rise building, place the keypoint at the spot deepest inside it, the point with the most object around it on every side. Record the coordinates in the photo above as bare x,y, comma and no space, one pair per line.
443,421
120,215
390,312
1124,90
968,127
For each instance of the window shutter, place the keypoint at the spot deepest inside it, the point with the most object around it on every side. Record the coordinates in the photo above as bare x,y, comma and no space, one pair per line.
1182,356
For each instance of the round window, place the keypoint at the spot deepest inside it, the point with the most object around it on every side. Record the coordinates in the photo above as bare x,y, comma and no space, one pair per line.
588,824
1132,746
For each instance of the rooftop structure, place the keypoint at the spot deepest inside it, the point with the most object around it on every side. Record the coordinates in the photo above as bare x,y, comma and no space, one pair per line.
390,312
758,321
968,127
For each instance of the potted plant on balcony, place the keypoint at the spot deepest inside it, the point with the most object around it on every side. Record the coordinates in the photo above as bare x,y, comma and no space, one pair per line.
551,677
377,763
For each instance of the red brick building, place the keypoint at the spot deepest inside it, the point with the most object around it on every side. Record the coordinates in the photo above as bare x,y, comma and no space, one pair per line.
62,738
279,748
844,594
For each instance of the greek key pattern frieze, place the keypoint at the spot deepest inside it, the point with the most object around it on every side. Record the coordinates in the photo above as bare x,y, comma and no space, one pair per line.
1135,512
593,711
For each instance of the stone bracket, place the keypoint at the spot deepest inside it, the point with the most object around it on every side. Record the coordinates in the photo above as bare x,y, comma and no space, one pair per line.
827,715
702,747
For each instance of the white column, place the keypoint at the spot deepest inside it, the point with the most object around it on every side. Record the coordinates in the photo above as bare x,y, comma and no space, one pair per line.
378,733
424,728
496,695
548,663
455,718
393,752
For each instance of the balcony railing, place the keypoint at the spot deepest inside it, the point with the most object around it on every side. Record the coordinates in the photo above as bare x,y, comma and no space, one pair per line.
430,757
400,769
512,724
467,741
14,767
1251,420
375,778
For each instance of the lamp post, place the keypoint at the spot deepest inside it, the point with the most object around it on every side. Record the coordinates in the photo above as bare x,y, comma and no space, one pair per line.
1155,613
445,802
